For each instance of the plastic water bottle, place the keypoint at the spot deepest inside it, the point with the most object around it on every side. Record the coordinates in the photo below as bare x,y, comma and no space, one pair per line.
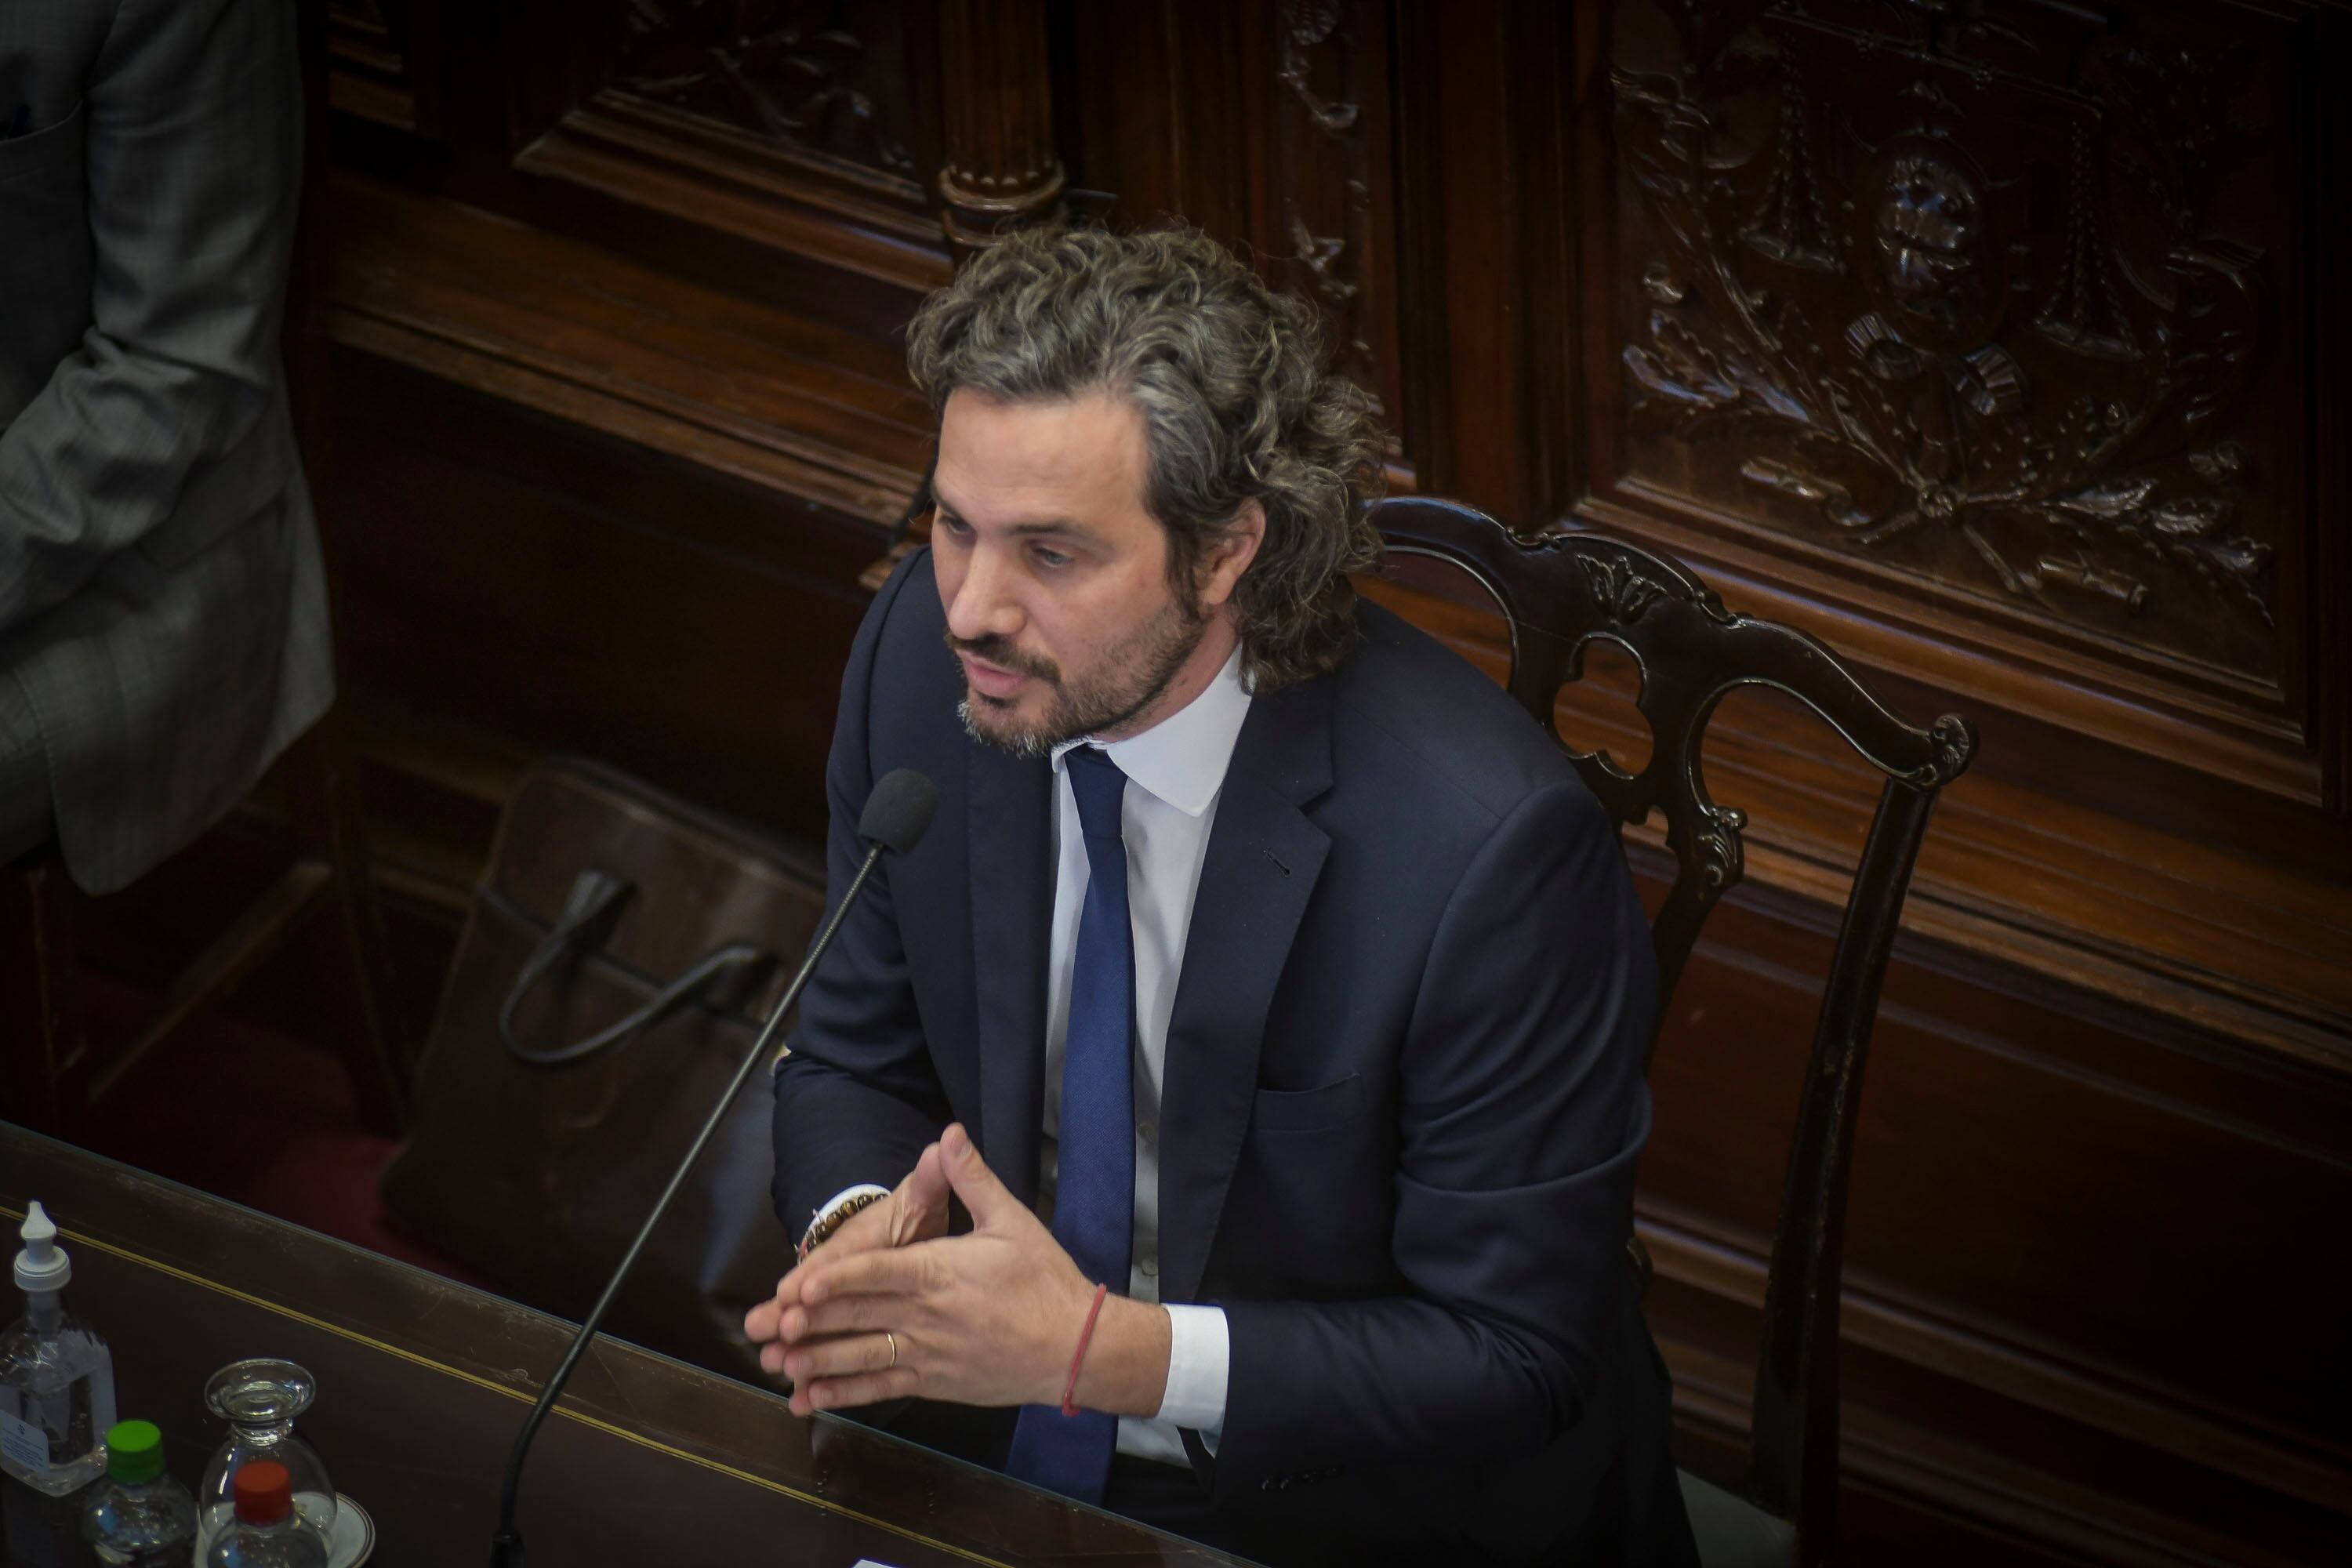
139,1517
56,1376
267,1533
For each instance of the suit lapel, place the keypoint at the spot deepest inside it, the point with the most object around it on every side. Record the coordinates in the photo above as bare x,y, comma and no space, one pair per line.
1263,860
1011,801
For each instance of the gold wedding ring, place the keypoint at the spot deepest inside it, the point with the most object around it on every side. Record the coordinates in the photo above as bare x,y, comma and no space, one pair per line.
893,1348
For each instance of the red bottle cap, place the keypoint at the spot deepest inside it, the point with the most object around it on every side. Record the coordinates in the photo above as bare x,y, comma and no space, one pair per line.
265,1492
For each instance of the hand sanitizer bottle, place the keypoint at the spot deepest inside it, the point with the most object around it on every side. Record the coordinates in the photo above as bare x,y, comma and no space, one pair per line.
56,1376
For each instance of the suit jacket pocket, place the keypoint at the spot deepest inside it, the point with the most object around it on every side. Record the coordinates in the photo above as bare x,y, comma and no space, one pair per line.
1308,1109
58,143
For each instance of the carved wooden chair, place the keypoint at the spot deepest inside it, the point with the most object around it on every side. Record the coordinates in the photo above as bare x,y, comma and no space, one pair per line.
1561,593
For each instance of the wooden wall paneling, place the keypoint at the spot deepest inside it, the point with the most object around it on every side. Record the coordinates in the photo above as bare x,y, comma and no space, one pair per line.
842,95
1423,419
1983,1249
1159,96
2258,955
1457,80
519,591
821,413
1938,1470
588,487
2162,784
1813,269
2169,797
2328,352
1119,134
1334,183
1486,197
1271,128
792,157
385,63
1973,1204
1545,195
1216,103
1000,170
2110,777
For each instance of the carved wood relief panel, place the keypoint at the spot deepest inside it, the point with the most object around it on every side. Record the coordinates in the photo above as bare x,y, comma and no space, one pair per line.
1269,124
1996,303
1332,169
807,127
822,78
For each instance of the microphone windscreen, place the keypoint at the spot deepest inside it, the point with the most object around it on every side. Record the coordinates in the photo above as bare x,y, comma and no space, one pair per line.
899,811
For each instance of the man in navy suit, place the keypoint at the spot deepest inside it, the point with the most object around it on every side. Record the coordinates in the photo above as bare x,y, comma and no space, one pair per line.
1270,992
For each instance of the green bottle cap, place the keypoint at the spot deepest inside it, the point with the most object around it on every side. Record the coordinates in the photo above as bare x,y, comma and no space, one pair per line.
134,1451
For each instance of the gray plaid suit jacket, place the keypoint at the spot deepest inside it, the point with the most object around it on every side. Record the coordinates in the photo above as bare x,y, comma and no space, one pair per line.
161,601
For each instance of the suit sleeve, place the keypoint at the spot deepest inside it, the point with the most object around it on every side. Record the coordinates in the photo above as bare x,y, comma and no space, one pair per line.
194,161
857,1098
1521,1113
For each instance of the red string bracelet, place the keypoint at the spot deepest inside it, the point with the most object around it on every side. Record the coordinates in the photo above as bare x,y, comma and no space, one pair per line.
1086,1337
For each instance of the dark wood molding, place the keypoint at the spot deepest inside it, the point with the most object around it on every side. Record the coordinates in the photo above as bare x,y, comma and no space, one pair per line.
1334,145
1426,413
809,137
549,325
2329,340
1895,633
2161,923
1001,169
384,63
1957,1503
2098,1397
718,179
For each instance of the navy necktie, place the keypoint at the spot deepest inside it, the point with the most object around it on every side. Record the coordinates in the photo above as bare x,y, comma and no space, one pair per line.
1094,1188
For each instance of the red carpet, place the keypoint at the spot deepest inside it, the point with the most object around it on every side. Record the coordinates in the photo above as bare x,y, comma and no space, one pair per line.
254,1115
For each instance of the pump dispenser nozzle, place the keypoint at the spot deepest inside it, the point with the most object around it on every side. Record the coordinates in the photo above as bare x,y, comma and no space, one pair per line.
43,1264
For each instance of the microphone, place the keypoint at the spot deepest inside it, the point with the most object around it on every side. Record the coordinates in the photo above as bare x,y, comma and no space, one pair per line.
896,814
896,818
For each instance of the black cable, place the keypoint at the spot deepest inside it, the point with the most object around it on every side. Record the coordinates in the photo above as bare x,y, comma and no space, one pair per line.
506,1546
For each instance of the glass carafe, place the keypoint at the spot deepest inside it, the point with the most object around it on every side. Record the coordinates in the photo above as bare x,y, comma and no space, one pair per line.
260,1399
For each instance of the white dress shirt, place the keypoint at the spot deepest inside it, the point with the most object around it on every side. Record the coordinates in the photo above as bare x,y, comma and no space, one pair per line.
1175,771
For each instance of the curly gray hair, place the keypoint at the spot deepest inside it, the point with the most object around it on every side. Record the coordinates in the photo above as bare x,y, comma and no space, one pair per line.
1237,405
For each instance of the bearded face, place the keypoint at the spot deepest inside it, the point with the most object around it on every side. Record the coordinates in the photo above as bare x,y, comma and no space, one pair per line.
1055,575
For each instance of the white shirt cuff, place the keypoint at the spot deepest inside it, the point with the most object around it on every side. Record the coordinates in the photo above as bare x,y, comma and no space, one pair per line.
1200,1361
838,1199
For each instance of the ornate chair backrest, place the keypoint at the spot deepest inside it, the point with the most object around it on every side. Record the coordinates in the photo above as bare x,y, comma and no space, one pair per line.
1561,593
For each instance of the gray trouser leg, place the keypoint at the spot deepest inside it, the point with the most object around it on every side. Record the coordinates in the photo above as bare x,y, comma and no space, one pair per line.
26,817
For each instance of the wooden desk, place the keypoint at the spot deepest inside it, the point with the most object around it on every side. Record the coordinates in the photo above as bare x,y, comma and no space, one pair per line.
423,1385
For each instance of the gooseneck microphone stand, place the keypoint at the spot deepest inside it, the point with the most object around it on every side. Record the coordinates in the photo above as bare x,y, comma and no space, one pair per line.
895,816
